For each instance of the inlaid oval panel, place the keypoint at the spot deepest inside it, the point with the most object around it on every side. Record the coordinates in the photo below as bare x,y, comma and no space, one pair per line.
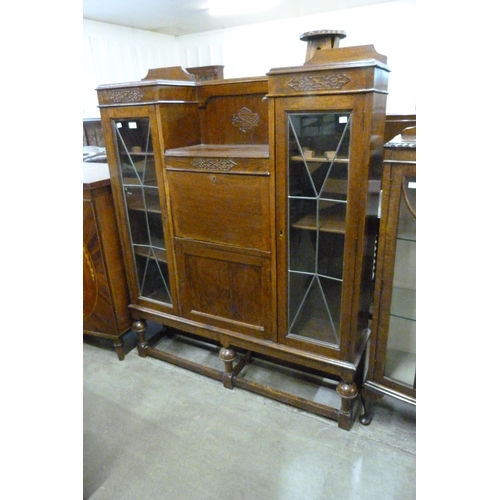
90,289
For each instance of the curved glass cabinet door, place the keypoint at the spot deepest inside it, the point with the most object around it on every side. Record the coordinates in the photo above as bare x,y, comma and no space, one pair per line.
400,362
318,168
140,192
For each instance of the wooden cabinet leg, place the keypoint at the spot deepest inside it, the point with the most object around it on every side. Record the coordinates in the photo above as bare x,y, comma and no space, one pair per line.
139,327
227,355
366,417
119,348
368,397
348,392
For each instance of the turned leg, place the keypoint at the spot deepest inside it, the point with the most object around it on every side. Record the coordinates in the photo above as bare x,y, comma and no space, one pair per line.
139,327
348,393
119,348
368,397
366,417
227,355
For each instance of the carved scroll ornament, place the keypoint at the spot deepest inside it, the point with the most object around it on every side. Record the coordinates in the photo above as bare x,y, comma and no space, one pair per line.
219,164
125,95
245,119
318,82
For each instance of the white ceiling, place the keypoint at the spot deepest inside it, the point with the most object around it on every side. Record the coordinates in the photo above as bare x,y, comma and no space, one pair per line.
183,17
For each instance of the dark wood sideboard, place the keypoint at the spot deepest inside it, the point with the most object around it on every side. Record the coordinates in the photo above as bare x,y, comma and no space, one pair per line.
105,292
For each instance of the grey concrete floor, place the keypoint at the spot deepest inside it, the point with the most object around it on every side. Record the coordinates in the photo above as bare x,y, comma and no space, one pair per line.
155,431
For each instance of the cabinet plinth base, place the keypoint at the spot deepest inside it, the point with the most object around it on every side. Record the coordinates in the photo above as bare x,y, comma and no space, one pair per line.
172,346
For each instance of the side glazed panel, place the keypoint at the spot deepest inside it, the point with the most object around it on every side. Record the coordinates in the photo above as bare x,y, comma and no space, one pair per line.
318,175
143,227
323,186
394,358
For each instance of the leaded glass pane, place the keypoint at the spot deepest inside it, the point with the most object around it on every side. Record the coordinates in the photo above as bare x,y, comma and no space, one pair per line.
318,164
140,190
401,342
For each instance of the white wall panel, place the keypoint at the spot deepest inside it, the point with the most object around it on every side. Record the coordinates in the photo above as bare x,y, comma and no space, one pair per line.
114,54
254,49
117,54
205,49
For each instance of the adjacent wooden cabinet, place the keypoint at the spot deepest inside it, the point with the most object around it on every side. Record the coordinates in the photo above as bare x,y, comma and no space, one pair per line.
392,366
395,124
105,292
248,213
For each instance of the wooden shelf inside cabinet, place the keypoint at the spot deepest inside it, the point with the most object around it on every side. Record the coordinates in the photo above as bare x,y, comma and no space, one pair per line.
153,207
145,250
314,163
149,154
149,202
332,220
135,159
320,159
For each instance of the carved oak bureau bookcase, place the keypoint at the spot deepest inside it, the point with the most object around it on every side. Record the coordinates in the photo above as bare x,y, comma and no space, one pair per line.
248,213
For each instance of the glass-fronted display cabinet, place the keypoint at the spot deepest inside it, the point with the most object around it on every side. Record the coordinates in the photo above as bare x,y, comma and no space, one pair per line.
392,369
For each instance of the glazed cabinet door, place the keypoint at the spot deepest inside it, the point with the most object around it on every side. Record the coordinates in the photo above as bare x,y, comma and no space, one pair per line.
137,164
395,304
323,189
